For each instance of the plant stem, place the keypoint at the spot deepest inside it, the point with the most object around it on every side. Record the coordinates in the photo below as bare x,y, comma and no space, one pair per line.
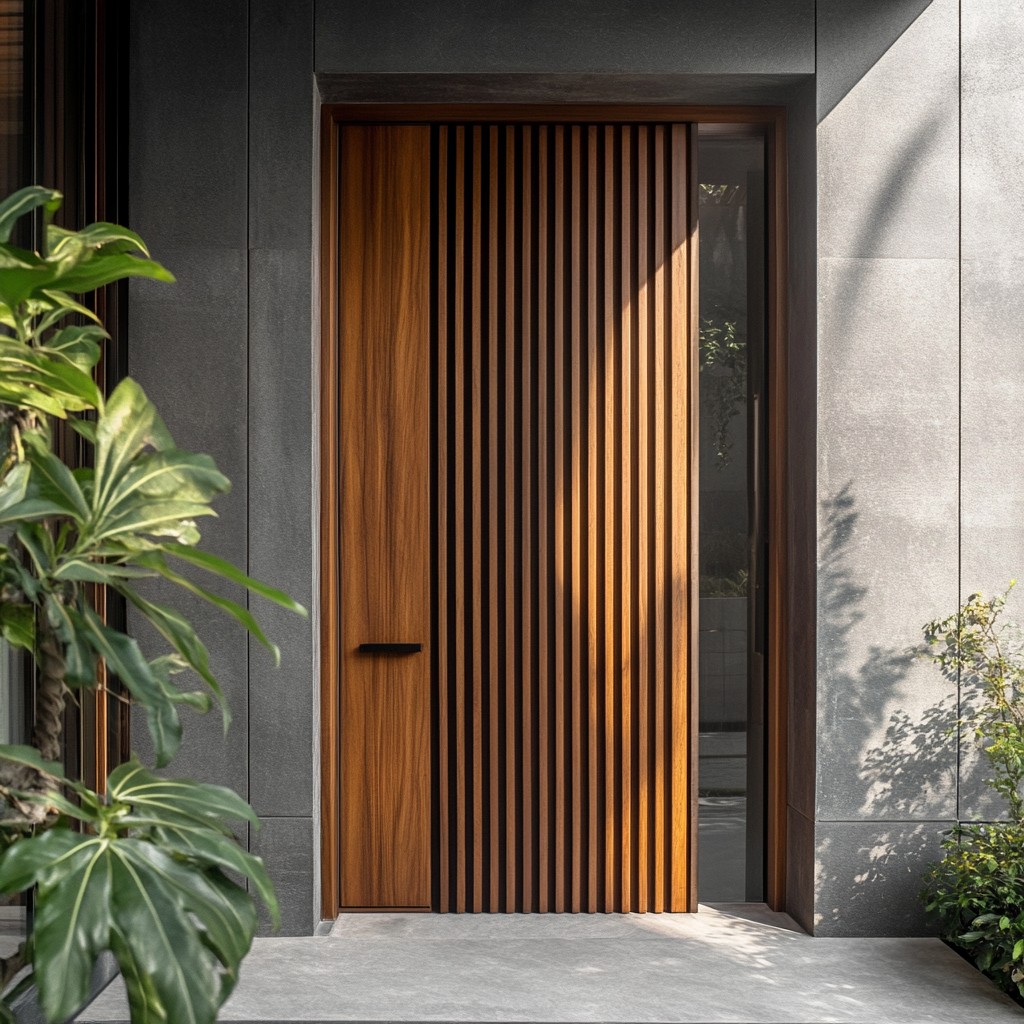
50,692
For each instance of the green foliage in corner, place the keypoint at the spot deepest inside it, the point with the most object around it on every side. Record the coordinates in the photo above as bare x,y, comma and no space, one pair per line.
149,869
977,889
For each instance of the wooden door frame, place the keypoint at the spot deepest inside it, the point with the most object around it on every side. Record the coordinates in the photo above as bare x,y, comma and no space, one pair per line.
771,121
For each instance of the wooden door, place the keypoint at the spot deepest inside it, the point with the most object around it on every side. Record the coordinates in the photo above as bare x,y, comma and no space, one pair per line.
549,434
385,542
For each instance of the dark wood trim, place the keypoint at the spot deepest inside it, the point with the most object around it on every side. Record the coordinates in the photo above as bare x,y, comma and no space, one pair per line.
771,120
330,504
693,503
568,113
776,794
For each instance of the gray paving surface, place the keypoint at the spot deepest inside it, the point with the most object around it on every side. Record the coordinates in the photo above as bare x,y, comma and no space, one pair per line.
723,964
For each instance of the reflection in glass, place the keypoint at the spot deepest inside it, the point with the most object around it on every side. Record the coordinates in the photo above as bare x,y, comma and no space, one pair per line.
730,861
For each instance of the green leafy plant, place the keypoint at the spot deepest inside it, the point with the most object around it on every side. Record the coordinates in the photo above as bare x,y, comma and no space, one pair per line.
977,889
723,365
148,869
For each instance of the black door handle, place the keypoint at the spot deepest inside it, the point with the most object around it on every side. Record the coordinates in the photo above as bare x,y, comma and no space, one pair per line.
390,648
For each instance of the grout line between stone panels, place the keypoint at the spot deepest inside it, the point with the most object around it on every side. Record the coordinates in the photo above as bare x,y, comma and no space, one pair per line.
959,359
248,370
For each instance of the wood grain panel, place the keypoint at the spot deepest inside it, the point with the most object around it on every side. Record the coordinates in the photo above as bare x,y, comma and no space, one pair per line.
563,342
385,523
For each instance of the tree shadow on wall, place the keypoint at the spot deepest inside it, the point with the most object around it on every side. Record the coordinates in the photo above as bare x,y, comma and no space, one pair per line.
906,766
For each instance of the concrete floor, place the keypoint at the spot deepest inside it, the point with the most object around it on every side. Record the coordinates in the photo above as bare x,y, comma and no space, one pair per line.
723,964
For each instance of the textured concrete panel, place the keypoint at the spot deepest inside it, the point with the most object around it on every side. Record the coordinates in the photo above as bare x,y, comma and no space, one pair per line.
281,125
280,528
868,877
887,153
853,37
992,494
745,36
992,465
188,350
188,82
287,848
887,484
993,109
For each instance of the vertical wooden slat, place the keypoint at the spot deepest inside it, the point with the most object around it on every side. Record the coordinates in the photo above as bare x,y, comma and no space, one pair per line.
460,636
678,392
559,680
528,538
613,854
511,637
577,598
494,761
562,467
441,499
658,562
640,558
593,453
475,568
628,652
544,680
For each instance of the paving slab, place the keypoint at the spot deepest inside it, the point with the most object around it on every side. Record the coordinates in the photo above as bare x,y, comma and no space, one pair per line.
725,963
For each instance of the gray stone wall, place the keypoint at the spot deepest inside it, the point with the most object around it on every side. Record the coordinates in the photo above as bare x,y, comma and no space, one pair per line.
905,468
888,382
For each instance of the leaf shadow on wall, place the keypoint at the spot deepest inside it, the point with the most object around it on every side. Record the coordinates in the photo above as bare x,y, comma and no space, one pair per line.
906,765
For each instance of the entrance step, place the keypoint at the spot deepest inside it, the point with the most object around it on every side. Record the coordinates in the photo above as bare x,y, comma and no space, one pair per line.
725,963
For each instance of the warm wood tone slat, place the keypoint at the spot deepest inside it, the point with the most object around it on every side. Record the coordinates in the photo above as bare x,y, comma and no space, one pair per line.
660,344
627,649
578,603
543,455
513,659
641,554
678,383
493,469
475,567
441,505
595,835
460,636
609,356
528,536
564,337
560,680
385,565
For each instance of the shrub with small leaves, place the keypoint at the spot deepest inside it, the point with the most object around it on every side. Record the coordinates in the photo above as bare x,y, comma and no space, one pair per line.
977,889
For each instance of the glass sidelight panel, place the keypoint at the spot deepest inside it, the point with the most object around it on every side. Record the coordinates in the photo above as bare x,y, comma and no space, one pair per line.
731,860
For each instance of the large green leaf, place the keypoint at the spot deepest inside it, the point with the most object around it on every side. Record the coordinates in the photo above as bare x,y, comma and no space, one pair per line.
17,625
102,269
212,849
29,757
159,801
126,661
178,931
40,367
81,346
169,475
129,424
99,236
24,201
53,480
239,613
181,635
79,657
211,563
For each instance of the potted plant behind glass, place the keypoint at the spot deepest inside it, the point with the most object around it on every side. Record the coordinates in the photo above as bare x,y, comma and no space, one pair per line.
148,869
